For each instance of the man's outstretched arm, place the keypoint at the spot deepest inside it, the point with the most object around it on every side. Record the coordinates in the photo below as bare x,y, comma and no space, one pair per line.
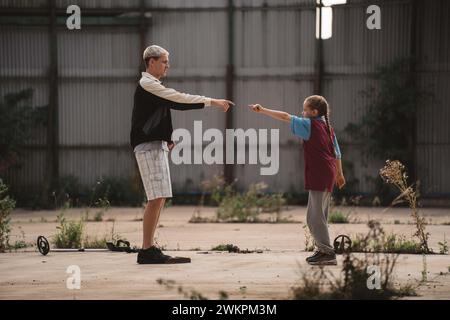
182,101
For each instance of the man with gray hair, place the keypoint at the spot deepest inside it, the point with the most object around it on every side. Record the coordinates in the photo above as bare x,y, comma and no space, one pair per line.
151,132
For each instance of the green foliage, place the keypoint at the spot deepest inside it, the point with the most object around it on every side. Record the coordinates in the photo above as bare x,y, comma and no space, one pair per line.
246,207
338,217
69,233
95,243
18,121
19,244
226,247
238,207
99,216
443,246
377,241
100,243
386,130
6,206
336,211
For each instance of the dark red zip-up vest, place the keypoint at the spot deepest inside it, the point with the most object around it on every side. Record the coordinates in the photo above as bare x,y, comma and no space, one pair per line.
320,160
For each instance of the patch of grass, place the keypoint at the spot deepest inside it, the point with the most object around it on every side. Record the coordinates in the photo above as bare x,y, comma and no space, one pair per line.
196,218
69,233
168,203
399,244
226,247
7,205
98,216
443,246
104,206
19,244
100,243
393,244
377,241
247,206
233,249
95,243
338,217
239,207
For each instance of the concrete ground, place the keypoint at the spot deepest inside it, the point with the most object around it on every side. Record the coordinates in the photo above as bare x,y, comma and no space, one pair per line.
25,274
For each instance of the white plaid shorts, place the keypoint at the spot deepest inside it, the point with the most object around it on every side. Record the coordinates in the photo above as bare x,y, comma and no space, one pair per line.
155,173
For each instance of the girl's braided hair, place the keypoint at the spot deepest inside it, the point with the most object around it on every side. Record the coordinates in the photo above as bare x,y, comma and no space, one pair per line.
320,104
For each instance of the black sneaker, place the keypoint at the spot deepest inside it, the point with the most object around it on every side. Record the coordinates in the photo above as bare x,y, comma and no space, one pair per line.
323,259
154,255
313,256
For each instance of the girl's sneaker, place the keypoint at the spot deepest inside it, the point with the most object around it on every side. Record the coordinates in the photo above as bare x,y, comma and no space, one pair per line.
323,259
313,256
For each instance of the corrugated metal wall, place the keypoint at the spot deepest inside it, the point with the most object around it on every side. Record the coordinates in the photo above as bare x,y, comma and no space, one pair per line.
433,76
274,60
350,57
24,63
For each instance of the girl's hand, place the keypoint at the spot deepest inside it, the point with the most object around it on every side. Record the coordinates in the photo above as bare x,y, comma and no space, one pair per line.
256,107
340,181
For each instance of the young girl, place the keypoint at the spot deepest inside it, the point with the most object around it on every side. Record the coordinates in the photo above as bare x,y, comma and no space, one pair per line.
323,168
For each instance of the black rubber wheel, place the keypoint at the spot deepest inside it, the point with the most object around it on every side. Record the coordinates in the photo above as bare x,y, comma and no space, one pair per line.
342,244
43,245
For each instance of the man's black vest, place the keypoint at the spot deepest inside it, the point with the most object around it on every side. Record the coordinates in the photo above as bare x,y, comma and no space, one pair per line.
151,119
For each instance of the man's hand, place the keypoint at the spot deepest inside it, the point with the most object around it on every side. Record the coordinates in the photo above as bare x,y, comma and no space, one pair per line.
222,103
170,145
256,107
340,180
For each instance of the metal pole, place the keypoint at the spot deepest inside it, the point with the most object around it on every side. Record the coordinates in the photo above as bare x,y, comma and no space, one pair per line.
229,168
319,54
413,79
52,163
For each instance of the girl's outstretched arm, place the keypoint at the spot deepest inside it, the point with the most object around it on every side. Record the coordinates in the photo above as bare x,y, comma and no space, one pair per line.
279,115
